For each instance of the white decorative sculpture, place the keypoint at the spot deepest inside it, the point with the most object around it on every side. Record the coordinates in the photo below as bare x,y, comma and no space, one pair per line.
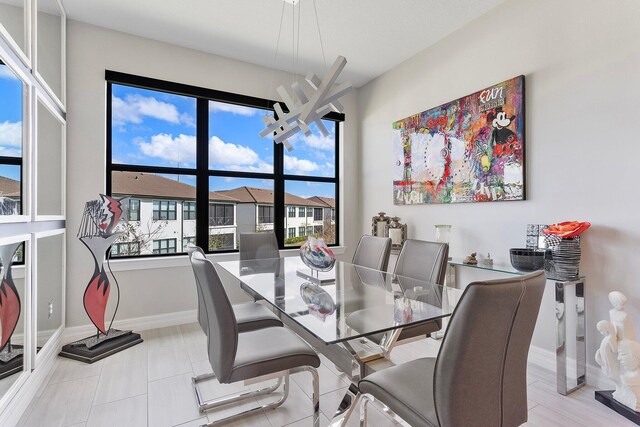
619,353
620,318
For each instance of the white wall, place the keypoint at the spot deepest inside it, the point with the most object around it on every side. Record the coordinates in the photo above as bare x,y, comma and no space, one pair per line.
581,60
90,51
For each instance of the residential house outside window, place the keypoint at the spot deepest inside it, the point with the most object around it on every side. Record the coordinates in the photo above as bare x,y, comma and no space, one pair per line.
309,212
220,214
265,214
317,214
164,246
292,212
134,209
126,248
301,212
186,241
164,210
189,210
292,232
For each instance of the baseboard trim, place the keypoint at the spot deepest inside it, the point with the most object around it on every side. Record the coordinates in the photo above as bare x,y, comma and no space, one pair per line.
136,324
15,406
546,359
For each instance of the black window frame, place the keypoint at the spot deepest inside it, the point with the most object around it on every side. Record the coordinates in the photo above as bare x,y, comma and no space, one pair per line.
201,172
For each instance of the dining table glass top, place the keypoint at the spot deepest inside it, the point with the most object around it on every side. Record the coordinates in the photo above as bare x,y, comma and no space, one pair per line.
344,303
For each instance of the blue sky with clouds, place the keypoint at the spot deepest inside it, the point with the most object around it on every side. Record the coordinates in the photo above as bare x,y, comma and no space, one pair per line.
11,98
158,129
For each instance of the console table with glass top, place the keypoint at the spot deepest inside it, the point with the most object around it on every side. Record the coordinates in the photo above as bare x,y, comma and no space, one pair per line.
564,313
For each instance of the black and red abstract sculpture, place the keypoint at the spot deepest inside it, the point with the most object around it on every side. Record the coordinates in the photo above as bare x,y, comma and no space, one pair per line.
10,355
98,232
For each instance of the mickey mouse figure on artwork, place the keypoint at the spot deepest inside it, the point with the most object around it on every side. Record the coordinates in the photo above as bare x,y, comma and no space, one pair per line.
504,141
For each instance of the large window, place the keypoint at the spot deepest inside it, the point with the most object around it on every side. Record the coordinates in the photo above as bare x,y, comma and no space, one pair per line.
174,146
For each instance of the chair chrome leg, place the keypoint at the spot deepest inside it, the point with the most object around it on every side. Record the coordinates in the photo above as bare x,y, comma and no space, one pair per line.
316,393
363,410
214,403
366,399
255,410
279,402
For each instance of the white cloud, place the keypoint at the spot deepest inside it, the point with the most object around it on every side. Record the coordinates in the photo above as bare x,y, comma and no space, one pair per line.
295,165
134,108
180,150
6,73
10,136
231,108
229,154
320,142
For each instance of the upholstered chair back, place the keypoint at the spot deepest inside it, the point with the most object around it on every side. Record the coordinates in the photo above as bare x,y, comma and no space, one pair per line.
222,325
480,372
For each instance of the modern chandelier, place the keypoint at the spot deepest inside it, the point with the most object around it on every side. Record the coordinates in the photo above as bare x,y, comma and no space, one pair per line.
306,107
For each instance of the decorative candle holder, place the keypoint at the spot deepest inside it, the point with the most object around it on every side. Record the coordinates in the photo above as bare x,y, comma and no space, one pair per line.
380,225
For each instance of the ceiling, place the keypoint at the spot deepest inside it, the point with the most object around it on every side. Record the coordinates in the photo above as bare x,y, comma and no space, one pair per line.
374,35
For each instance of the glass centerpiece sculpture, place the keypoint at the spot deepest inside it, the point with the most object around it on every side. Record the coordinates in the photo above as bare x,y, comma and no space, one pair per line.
316,255
98,232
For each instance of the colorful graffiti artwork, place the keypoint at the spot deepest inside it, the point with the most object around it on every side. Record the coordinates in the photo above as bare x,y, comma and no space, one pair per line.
467,150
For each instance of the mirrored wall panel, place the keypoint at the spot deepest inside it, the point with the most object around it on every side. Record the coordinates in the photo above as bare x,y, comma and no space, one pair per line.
12,18
49,283
49,152
49,45
12,95
12,305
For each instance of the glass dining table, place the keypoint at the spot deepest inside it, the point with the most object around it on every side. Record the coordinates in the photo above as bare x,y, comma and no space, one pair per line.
336,310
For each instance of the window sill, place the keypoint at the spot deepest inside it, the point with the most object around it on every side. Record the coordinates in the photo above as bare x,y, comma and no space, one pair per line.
182,261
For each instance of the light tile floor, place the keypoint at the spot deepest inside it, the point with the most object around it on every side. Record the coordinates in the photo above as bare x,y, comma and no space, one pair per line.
150,385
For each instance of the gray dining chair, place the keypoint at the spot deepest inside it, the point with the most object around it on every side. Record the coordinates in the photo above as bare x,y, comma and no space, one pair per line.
420,260
479,377
249,316
263,354
427,261
372,252
260,245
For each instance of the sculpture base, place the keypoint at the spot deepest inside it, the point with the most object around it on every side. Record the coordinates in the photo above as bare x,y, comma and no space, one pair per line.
606,397
92,349
11,362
